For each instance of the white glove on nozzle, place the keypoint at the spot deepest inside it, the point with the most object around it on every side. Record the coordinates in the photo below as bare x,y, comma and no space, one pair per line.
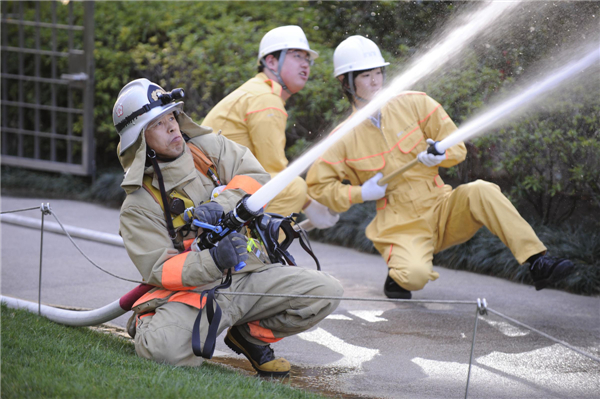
372,191
320,216
429,159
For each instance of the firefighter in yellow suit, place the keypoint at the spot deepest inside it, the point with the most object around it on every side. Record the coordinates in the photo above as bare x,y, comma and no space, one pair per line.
159,165
417,214
254,116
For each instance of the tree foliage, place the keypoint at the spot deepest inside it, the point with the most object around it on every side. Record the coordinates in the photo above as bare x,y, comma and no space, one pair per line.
209,49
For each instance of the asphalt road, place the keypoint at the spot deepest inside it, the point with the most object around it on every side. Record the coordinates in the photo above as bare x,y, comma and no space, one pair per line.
365,348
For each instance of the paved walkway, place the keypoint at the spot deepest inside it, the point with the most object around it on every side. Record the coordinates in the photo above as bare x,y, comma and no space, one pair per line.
364,349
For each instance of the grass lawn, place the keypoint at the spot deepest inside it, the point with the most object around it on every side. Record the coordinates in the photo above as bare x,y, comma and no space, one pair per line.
41,359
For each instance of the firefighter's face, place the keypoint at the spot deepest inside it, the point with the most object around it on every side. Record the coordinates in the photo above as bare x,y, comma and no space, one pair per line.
369,83
164,137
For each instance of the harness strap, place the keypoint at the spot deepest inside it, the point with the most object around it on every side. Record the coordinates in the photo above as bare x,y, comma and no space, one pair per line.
203,163
213,315
163,195
305,244
179,220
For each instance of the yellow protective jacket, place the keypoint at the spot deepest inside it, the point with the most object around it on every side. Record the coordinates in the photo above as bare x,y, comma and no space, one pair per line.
406,122
254,116
142,221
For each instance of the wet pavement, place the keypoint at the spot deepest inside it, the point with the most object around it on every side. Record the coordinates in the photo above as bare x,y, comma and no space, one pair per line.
364,349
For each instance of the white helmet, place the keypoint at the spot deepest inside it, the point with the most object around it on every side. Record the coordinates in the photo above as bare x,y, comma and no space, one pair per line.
138,104
356,53
284,38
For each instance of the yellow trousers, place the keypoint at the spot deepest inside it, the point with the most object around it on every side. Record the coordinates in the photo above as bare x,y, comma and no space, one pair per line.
424,219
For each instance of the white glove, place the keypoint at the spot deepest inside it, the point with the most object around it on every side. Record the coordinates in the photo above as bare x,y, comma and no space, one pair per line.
320,216
372,191
430,159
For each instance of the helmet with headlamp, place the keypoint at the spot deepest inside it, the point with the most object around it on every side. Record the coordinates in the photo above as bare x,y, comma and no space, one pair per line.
139,103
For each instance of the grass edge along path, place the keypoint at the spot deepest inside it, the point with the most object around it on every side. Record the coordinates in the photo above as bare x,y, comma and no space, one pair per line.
44,359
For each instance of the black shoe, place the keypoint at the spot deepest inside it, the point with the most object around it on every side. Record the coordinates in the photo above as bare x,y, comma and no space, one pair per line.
391,289
261,357
547,270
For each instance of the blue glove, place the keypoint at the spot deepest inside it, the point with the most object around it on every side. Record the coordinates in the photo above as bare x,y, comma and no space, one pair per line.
210,213
230,252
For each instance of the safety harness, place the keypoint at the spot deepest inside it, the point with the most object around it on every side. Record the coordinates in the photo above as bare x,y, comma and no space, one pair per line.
178,212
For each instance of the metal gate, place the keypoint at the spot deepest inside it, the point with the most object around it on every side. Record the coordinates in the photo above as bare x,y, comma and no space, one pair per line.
48,85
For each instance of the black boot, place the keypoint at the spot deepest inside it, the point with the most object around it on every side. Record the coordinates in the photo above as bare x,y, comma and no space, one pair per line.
391,289
546,270
261,357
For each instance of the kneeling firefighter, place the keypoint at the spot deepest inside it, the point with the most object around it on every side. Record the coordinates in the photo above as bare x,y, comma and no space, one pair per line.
172,165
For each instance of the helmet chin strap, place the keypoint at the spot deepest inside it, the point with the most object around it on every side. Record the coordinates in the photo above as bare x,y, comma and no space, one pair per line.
154,155
278,72
352,89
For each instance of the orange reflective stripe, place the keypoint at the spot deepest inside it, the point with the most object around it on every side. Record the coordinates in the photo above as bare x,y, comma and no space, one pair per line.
272,84
147,314
264,334
246,183
172,273
331,163
264,109
390,255
160,293
189,298
384,205
428,115
349,193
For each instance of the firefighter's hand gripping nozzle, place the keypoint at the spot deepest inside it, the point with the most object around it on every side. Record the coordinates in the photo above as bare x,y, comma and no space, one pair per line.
232,221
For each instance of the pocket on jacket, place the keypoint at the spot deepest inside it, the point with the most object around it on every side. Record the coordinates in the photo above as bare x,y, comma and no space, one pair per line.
410,140
371,163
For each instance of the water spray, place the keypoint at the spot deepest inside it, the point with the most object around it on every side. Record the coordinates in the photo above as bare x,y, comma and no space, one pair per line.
445,50
478,125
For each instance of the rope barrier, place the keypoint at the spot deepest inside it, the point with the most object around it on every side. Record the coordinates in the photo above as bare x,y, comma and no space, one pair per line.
85,256
346,298
46,210
20,210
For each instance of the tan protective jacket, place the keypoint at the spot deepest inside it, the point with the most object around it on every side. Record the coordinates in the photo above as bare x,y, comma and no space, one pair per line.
254,116
143,225
406,122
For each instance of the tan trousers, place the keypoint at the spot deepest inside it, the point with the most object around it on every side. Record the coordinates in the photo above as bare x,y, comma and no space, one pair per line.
291,199
409,231
166,335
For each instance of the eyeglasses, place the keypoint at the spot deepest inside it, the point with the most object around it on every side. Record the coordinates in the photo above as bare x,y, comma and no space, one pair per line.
301,57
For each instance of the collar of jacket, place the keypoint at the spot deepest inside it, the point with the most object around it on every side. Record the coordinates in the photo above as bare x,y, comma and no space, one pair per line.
134,159
175,173
275,87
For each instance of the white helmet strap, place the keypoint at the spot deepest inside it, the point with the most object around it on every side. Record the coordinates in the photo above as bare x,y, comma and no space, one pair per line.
278,72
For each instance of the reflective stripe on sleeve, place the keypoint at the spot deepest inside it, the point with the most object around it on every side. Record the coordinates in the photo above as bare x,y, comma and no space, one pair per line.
246,183
172,273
